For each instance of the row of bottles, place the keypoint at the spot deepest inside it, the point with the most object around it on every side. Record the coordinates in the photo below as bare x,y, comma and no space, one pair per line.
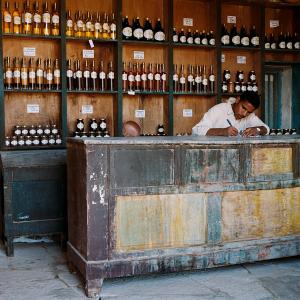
21,74
196,37
287,131
135,31
93,129
282,41
89,77
242,38
31,20
91,25
239,85
197,80
136,77
34,135
160,131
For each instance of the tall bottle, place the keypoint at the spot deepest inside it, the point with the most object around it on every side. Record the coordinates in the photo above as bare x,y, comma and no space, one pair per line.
79,25
235,38
39,75
8,81
49,74
157,78
17,74
148,30
86,76
225,39
182,80
78,76
126,29
110,77
204,38
190,79
197,38
27,27
198,79
70,25
296,42
189,37
150,78
159,33
143,78
211,38
273,44
105,27
98,27
24,74
204,81
181,36
31,74
16,19
211,80
289,41
55,23
281,41
254,38
175,37
137,76
56,75
124,78
113,27
102,76
88,26
175,80
138,32
130,78
244,37
70,75
94,76
163,78
46,20
37,19
6,18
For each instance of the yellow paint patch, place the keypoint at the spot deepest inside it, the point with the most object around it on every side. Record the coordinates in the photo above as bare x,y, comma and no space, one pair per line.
260,214
268,161
159,221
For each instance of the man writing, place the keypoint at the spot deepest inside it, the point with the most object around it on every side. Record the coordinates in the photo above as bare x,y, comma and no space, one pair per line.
227,119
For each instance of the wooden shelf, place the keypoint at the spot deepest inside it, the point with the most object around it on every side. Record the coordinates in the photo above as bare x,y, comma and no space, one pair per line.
32,91
195,94
240,48
282,51
32,36
92,92
145,42
193,45
71,38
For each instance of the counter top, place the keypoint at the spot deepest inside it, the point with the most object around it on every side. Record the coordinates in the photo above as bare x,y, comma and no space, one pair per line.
201,140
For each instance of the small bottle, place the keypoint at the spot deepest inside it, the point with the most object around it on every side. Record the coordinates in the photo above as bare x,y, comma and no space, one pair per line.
182,37
39,75
160,130
8,74
252,76
102,124
47,130
126,29
198,79
190,79
39,130
130,77
14,141
159,34
267,43
211,80
7,141
281,41
113,27
124,78
56,75
110,77
55,23
150,78
16,19
24,130
98,27
175,80
273,43
69,75
28,140
7,18
49,74
240,76
21,141
46,20
44,140
88,25
157,79
94,76
254,38
244,37
224,87
204,39
237,86
211,39
175,36
105,27
189,38
226,75
24,74
37,20
31,74
204,80
86,76
102,77
17,74
143,78
80,125
58,140
225,39
182,80
51,139
296,42
93,125
32,130
27,27
79,25
148,30
78,73
138,32
163,78
54,129
289,41
235,38
197,38
69,26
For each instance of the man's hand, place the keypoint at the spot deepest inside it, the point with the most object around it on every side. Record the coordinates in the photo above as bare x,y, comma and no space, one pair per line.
251,131
231,131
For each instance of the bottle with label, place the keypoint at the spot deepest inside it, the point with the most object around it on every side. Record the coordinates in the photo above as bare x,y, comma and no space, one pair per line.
102,125
245,41
126,29
124,78
159,34
235,38
78,76
273,43
49,74
143,78
55,23
80,125
113,27
148,30
86,76
37,20
267,42
88,25
137,30
289,41
211,38
56,75
46,20
204,39
198,79
98,27
110,77
225,39
175,80
150,78
31,74
175,36
7,18
8,71
79,25
226,75
137,76
211,80
254,38
39,75
252,76
190,79
102,77
296,42
240,76
105,27
130,78
224,87
17,74
69,75
197,38
281,41
27,27
69,27
16,19
157,79
204,80
182,80
93,125
160,130
182,37
24,74
94,76
163,78
189,37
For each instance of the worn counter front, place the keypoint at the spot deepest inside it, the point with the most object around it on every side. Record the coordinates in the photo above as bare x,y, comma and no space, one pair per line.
144,205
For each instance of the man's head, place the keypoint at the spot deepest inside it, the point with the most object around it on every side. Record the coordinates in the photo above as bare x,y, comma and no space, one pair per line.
131,128
246,104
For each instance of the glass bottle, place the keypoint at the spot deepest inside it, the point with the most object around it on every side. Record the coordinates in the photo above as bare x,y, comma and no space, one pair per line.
289,41
150,78
105,27
31,74
56,75
190,79
190,39
6,18
16,19
78,75
197,39
157,78
198,79
211,38
49,74
37,19
138,32
79,25
98,27
110,77
175,80
175,36
211,80
39,75
94,76
126,29
163,78
244,37
55,23
46,20
148,30
204,80
267,43
69,27
281,41
124,78
88,25
27,27
130,78
204,39
182,37
24,74
254,38
159,34
102,77
182,80
113,27
69,75
8,78
86,76
225,39
296,42
235,38
273,44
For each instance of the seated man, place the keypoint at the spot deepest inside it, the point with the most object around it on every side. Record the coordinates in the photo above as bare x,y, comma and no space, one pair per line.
227,119
131,128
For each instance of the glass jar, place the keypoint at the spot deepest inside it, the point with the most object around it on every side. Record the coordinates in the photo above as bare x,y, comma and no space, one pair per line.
14,141
32,130
7,141
47,130
36,140
58,140
17,130
51,139
44,140
28,140
24,130
21,141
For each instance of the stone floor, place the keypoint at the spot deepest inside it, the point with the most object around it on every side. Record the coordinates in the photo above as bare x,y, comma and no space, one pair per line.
39,271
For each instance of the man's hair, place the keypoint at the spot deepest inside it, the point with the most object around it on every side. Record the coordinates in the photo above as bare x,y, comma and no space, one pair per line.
251,97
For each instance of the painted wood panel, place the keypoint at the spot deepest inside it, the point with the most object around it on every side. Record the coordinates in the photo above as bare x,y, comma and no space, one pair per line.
159,221
268,161
260,214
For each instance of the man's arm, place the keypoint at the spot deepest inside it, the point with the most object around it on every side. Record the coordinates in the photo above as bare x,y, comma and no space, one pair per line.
255,126
229,131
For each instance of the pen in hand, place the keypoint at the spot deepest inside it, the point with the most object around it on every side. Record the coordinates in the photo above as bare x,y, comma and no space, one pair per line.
229,122
231,131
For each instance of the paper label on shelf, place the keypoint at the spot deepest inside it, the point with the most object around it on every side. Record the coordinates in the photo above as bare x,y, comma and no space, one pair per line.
132,93
88,53
138,55
187,113
241,60
231,19
140,113
223,58
274,23
29,51
187,22
91,43
87,109
33,108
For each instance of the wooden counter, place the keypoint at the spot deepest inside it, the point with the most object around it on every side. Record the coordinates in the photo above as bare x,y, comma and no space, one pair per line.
144,205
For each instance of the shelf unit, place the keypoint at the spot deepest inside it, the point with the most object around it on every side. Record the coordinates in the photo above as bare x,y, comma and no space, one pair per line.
64,107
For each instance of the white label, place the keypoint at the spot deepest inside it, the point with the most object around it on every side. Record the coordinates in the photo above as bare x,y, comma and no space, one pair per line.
102,75
187,22
140,113
33,108
91,43
231,19
223,58
159,36
46,18
56,73
17,20
132,93
187,113
274,23
86,74
87,109
88,53
55,19
29,51
138,55
241,60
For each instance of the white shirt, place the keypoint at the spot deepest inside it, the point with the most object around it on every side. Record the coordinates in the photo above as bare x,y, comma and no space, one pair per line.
217,117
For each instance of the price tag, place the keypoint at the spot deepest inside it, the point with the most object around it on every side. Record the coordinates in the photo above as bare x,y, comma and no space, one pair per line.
88,53
33,108
91,43
138,54
187,113
132,93
241,60
87,109
274,23
187,22
223,58
231,19
29,51
140,113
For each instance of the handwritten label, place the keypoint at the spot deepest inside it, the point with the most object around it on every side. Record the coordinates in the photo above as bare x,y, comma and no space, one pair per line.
33,108
231,19
187,113
241,60
88,53
223,58
29,51
87,109
91,43
140,113
274,23
138,54
187,22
